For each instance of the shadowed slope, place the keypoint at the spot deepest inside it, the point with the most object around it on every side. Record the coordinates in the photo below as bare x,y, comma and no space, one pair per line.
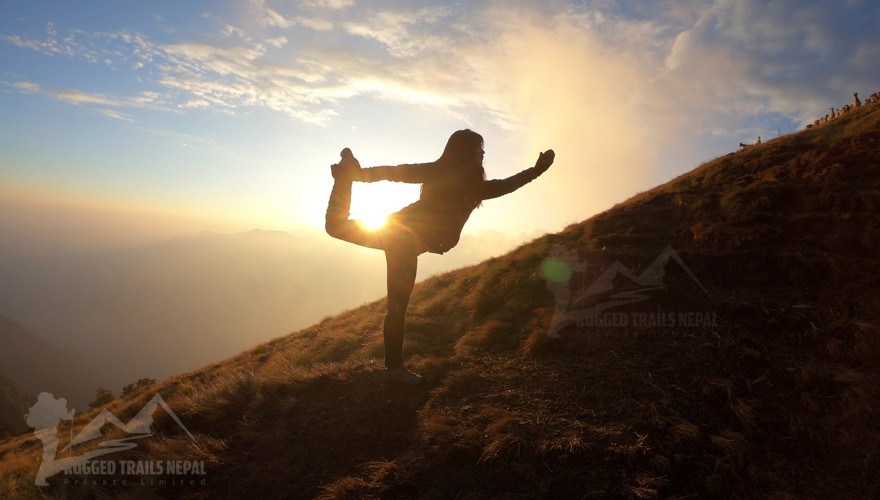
777,397
13,404
35,365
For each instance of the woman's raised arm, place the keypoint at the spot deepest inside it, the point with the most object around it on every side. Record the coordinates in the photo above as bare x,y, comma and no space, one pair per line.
500,187
415,173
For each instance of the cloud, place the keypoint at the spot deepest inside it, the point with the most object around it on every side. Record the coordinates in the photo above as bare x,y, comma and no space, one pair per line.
47,47
279,42
272,18
404,33
786,56
204,58
103,103
115,114
230,77
80,97
328,4
27,87
558,84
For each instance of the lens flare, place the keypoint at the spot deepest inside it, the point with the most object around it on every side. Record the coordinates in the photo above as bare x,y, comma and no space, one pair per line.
373,222
373,202
556,270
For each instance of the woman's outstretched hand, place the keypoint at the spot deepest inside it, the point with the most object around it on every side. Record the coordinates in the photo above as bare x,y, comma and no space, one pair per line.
545,159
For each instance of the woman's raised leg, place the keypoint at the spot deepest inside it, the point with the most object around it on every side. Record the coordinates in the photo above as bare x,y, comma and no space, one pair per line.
337,224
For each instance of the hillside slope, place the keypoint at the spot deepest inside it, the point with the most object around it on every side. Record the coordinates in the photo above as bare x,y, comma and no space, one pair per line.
14,403
741,358
36,365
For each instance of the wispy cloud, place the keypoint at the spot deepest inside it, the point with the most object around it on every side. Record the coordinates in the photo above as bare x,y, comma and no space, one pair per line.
49,46
103,103
272,18
406,33
80,97
115,114
27,87
329,4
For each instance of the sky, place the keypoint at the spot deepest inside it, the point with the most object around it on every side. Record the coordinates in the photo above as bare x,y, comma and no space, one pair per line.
226,115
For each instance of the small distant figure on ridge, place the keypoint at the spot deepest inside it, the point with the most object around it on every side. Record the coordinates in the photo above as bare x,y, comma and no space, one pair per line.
453,186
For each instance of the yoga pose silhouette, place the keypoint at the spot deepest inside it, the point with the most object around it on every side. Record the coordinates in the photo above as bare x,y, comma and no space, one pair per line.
452,187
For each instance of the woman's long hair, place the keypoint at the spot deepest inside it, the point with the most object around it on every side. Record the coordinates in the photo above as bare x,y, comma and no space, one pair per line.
458,168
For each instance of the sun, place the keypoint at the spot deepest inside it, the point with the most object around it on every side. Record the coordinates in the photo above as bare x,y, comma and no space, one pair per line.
372,221
372,203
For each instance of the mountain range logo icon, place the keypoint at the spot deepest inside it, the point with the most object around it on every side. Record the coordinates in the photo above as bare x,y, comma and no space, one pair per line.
606,291
649,280
46,415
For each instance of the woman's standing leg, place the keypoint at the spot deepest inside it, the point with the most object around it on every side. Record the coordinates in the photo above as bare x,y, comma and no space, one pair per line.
402,264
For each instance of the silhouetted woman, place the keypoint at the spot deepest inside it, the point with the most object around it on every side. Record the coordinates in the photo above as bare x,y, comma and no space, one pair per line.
452,187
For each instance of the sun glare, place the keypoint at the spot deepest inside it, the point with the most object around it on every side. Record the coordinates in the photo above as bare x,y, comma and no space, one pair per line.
372,203
373,221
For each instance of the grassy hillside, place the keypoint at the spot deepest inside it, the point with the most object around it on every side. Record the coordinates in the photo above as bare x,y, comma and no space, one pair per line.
777,398
14,403
36,365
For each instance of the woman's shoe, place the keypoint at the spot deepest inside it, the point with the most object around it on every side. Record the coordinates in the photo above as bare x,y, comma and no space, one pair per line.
401,375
